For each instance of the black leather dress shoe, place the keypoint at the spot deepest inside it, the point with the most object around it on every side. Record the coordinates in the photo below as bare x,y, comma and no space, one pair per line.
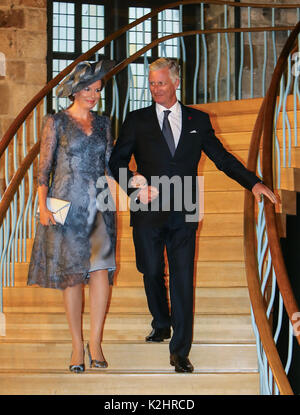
158,335
182,364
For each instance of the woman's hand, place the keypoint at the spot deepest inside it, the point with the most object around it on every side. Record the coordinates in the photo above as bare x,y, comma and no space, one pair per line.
46,217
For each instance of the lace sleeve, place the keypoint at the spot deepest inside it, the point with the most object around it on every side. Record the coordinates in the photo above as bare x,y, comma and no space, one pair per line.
48,146
109,146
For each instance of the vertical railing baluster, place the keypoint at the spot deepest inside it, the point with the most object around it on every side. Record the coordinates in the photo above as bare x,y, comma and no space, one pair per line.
115,94
24,238
241,67
251,53
183,54
290,349
218,65
205,63
227,53
196,73
274,39
295,99
10,257
263,86
285,120
163,23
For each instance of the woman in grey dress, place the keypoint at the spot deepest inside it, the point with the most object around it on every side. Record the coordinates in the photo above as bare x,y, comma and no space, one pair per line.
75,148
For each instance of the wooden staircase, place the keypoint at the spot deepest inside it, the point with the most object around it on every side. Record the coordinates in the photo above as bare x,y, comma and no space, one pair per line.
35,353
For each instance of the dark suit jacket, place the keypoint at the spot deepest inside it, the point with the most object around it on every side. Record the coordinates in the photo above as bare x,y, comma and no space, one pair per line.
141,136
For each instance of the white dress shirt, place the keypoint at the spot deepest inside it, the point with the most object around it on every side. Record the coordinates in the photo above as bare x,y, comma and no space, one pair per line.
175,119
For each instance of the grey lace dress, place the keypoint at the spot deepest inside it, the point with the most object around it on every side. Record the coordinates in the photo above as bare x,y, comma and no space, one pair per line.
73,165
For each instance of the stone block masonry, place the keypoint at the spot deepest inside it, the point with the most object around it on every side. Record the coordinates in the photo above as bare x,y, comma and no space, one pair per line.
23,51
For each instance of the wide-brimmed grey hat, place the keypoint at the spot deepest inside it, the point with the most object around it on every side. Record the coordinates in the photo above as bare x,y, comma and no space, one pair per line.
84,74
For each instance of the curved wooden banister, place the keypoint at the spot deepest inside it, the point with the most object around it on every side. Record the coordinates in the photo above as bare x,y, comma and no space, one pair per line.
254,287
264,127
267,168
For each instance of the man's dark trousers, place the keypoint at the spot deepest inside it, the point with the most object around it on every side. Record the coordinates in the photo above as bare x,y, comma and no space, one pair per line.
179,241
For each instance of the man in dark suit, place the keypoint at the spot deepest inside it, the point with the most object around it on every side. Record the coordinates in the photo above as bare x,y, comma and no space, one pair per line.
169,144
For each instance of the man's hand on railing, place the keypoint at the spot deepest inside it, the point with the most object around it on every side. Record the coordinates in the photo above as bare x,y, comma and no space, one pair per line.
259,189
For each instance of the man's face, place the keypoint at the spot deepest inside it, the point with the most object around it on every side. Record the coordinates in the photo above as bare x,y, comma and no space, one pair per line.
162,88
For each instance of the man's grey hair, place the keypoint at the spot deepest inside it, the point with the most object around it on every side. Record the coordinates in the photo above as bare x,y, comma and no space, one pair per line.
173,66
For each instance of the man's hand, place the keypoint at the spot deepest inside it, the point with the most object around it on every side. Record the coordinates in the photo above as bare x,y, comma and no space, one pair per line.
260,189
138,181
148,194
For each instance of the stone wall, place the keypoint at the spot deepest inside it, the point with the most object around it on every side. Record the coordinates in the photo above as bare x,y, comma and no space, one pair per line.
23,45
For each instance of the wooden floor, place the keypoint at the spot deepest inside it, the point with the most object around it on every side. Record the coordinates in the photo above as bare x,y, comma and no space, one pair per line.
35,353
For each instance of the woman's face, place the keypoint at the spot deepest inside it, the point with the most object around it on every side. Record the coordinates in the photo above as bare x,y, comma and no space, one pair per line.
89,96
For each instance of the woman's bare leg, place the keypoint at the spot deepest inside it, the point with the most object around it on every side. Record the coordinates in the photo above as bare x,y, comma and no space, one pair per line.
73,306
99,293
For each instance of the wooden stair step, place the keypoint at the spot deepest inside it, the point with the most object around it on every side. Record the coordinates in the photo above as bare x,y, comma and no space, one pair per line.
224,202
206,164
288,203
295,154
238,145
207,274
244,106
232,122
208,248
218,181
125,299
95,383
213,224
290,178
235,141
125,327
130,356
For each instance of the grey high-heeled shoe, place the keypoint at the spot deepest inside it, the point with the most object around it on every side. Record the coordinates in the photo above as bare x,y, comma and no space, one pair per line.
97,364
77,368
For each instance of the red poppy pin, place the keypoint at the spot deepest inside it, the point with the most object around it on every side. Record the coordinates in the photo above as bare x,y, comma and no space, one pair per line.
189,118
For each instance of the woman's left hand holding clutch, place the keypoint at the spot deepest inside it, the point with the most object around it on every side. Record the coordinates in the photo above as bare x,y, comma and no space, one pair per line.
46,217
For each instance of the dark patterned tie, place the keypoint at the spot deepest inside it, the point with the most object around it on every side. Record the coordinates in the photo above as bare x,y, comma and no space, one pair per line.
167,132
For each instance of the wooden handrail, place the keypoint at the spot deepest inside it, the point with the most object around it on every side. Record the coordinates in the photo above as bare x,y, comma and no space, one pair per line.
253,280
267,168
264,126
